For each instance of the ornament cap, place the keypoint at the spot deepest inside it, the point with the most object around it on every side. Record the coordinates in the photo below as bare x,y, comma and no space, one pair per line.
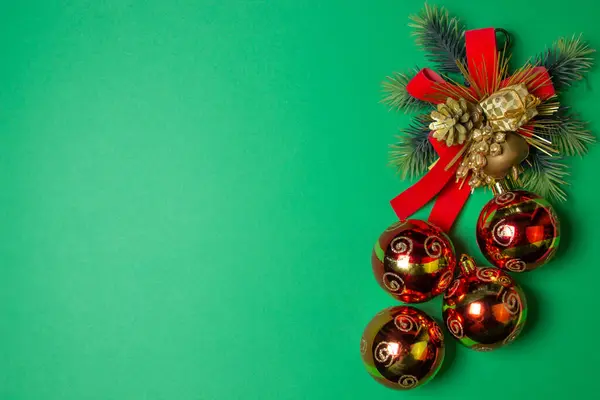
467,264
501,187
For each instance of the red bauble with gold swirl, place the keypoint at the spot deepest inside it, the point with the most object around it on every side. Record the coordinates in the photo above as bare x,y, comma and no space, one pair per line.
402,347
518,231
413,261
484,308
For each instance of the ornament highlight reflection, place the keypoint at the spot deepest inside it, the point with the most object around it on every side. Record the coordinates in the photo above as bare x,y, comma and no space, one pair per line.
507,232
403,262
393,348
475,309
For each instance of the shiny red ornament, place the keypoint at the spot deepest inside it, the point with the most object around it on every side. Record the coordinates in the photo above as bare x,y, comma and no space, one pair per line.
518,231
402,347
484,308
413,261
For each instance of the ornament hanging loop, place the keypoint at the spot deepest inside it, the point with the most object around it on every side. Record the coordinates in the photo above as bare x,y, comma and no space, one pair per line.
507,38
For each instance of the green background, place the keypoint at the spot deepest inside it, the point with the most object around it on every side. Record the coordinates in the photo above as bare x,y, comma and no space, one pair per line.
190,191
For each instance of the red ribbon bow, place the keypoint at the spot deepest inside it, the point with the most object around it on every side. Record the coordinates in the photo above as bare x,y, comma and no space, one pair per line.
482,62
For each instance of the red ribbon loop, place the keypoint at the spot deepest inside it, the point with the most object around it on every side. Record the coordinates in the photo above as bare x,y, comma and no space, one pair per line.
482,58
425,86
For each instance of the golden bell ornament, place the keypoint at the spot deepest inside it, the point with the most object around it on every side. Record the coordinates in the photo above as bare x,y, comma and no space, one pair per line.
512,152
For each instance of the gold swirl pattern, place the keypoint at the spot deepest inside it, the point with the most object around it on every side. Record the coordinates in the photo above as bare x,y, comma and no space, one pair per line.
499,236
363,346
482,348
433,246
505,198
386,353
408,381
393,282
455,327
404,323
487,274
504,280
515,265
514,335
436,333
445,280
402,245
452,289
511,301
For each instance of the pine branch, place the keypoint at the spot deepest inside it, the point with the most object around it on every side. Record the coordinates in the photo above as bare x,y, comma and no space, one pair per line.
545,175
413,153
567,61
397,97
441,36
568,134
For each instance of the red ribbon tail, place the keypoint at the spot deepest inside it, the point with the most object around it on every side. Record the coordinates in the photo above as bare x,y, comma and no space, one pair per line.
419,194
449,204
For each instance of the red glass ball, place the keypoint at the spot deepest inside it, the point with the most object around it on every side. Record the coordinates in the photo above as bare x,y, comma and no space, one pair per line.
518,231
402,347
413,261
484,308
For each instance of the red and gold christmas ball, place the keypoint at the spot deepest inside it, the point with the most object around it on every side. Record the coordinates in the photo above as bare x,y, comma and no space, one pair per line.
518,231
413,261
484,308
402,347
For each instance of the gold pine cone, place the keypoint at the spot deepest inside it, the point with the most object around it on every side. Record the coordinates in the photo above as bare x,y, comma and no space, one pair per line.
453,120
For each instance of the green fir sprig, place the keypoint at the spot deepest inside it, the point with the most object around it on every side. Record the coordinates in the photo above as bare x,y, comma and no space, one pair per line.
397,97
567,61
545,175
441,36
413,153
568,134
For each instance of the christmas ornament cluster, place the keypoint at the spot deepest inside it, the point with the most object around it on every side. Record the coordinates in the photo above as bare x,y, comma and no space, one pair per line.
482,125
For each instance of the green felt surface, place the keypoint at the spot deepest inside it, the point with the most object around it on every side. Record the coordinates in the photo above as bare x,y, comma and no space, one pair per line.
190,192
